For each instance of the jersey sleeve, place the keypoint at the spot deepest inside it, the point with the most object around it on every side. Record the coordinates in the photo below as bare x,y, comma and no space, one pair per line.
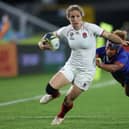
95,29
100,51
122,58
61,32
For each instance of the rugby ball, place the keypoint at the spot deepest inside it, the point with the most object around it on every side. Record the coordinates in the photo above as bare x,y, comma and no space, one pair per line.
53,40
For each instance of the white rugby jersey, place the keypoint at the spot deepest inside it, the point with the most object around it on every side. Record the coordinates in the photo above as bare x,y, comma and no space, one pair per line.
82,43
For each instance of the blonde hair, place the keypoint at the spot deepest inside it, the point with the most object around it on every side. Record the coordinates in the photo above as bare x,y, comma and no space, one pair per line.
74,7
122,34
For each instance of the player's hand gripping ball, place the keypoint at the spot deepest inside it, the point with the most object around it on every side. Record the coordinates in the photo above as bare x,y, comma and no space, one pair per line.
52,40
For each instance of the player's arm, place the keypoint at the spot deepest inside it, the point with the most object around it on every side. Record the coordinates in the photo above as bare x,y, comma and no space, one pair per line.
114,38
110,67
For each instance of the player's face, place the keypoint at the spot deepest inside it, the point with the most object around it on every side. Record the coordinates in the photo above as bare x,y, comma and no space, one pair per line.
110,52
75,19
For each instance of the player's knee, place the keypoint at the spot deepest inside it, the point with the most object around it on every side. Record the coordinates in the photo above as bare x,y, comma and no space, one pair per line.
52,91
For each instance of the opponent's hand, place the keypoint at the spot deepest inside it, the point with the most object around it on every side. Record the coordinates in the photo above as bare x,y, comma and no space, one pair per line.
44,45
125,43
98,62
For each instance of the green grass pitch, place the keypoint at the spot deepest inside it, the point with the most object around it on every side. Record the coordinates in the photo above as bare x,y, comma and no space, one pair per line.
103,106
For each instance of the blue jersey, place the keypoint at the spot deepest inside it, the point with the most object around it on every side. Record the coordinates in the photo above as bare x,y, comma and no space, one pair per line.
122,57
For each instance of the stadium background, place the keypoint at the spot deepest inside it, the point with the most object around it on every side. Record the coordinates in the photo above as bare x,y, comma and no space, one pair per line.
25,70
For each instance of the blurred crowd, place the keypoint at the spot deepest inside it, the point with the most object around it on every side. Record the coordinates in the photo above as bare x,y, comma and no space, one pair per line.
125,27
6,30
10,29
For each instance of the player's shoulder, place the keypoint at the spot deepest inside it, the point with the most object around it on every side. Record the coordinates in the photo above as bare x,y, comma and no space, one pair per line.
123,53
88,24
65,28
101,49
91,26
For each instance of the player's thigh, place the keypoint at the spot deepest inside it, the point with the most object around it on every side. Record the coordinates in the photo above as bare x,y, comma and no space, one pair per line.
84,79
59,80
63,77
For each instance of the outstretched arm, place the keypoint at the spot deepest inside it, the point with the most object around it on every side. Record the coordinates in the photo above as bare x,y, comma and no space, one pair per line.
109,67
114,38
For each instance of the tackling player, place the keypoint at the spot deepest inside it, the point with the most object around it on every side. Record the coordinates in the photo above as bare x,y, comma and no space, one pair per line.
115,60
80,68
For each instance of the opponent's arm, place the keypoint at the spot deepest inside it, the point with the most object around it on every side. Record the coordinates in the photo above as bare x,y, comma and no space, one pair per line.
109,67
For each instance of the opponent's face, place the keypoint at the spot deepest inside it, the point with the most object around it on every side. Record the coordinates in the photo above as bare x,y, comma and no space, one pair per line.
75,19
110,52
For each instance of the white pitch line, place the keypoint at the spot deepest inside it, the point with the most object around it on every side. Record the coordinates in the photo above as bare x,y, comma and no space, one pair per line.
104,84
98,85
19,101
71,117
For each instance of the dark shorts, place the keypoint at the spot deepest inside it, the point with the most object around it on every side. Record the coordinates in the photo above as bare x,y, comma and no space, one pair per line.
123,79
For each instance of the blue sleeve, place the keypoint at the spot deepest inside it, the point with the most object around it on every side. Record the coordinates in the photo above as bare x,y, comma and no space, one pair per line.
100,51
123,58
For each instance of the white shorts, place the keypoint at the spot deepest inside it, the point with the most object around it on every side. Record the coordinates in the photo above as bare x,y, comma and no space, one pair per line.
81,78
